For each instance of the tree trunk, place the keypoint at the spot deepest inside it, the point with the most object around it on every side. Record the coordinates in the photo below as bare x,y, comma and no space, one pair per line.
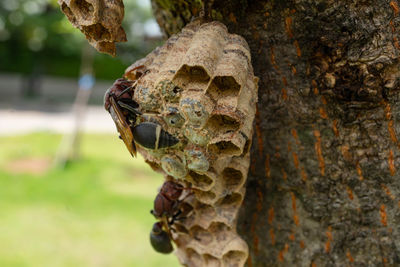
323,188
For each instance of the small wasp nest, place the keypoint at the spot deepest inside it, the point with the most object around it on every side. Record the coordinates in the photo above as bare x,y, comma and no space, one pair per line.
201,89
99,20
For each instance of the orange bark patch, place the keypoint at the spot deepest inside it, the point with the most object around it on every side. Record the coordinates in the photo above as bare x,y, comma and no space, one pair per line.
295,160
392,26
346,152
314,83
388,111
298,50
272,236
295,136
294,71
359,171
315,87
398,204
334,128
350,193
277,152
273,61
258,133
387,191
323,99
288,27
396,42
328,242
253,223
323,113
382,212
267,167
232,18
318,150
295,216
391,163
271,214
249,263
296,220
283,252
302,245
284,175
349,257
392,133
303,174
395,7
292,237
313,264
255,244
284,81
284,94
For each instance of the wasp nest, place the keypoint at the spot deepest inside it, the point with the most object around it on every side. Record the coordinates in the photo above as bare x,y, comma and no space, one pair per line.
99,20
200,88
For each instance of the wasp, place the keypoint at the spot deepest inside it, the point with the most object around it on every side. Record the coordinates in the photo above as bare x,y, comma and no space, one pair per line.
167,209
118,101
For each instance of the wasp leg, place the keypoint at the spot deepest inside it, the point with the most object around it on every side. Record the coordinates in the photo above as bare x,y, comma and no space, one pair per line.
126,89
129,108
129,102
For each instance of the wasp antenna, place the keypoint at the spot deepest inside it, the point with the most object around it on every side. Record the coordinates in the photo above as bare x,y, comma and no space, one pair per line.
124,91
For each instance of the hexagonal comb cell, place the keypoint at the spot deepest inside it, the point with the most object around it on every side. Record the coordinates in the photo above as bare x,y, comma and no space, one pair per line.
223,86
227,144
221,231
234,258
200,181
206,197
224,121
200,88
234,199
191,73
233,178
201,235
211,260
194,258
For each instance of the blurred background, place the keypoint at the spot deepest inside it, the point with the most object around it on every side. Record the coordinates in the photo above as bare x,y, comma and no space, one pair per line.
70,193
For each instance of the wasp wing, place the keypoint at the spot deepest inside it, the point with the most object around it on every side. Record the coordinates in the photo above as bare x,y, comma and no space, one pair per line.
122,126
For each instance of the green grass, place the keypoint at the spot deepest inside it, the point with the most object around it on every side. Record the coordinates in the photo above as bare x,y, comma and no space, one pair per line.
95,212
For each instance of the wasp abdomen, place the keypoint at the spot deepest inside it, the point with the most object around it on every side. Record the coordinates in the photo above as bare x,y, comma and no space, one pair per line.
160,240
151,135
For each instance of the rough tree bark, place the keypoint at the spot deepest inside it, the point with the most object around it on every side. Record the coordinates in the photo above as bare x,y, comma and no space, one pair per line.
324,187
